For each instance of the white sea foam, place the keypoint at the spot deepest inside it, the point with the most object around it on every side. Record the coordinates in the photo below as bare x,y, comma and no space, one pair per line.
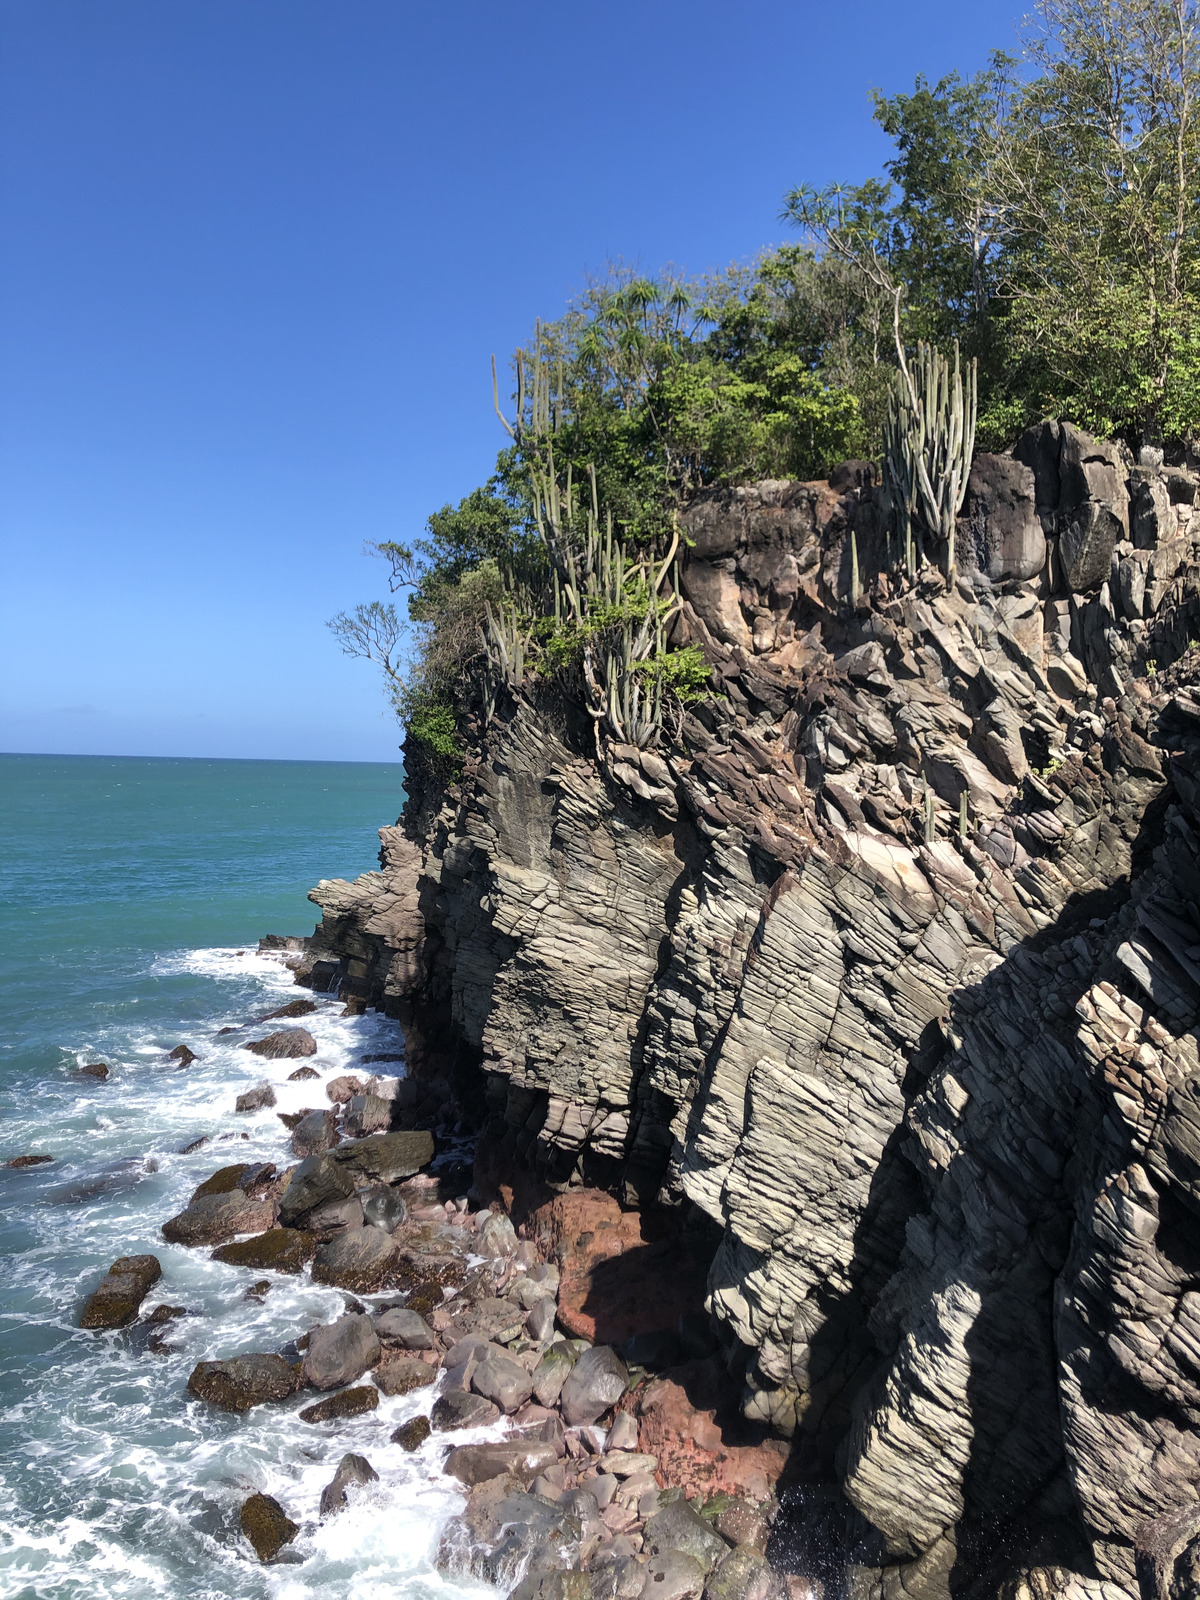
116,1484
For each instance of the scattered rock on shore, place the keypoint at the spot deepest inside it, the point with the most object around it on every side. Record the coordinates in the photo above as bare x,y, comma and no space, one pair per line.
244,1381
28,1161
276,1250
284,1045
302,1074
117,1299
256,1099
413,1434
317,1180
341,1352
397,1374
476,1463
215,1218
345,1403
360,1260
294,1008
595,1383
352,1469
267,1526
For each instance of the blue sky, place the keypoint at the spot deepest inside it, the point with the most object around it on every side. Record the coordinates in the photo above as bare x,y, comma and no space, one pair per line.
255,256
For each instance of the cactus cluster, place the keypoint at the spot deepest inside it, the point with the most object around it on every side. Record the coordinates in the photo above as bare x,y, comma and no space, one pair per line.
612,609
929,439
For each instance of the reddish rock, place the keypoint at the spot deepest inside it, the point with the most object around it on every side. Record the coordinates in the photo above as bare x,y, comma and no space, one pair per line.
689,1419
623,1272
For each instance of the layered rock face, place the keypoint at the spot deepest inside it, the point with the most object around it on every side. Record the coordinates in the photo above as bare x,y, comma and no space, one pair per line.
888,964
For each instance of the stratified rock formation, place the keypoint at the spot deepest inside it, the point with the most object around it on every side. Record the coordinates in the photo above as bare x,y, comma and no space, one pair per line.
888,966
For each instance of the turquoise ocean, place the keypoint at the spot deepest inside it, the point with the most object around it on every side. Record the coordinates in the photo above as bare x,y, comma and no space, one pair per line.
133,895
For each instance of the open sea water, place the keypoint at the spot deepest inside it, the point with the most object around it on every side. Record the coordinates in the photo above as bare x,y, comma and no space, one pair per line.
133,894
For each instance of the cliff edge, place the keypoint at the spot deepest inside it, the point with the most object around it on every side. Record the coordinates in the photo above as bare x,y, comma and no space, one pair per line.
882,977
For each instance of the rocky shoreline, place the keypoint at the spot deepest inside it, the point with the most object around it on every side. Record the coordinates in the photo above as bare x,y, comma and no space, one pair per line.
563,1445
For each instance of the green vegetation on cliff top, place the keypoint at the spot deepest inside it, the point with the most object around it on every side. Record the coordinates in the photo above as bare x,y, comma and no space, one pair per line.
1044,214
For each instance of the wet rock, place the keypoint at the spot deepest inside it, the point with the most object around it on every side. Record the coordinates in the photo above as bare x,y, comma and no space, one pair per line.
552,1371
674,1575
276,1250
595,1383
95,1069
244,1381
503,1381
216,1218
315,1132
539,1425
342,1089
623,1435
352,1470
360,1260
539,1324
294,1008
388,1157
29,1161
285,1045
743,1524
562,1585
398,1374
503,1531
476,1463
412,1435
117,1299
678,1527
267,1526
367,1113
340,1352
406,1328
460,1408
383,1207
316,1181
256,1099
345,1403
225,1180
258,1291
303,1075
183,1054
742,1574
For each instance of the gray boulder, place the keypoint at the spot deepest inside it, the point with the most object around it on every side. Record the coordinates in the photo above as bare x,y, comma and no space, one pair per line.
116,1300
476,1463
503,1381
318,1180
406,1328
678,1528
217,1218
741,1574
351,1470
496,1237
401,1374
552,1371
316,1132
361,1260
286,1045
387,1157
367,1113
596,1382
539,1324
460,1408
244,1381
341,1352
1006,534
256,1099
674,1575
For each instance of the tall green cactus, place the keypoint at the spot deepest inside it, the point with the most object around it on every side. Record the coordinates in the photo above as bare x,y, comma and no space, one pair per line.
619,604
929,439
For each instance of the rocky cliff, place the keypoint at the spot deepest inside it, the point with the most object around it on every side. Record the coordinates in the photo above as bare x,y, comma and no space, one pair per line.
883,975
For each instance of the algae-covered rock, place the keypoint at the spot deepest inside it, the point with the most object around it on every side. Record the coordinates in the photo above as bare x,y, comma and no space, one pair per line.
267,1526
